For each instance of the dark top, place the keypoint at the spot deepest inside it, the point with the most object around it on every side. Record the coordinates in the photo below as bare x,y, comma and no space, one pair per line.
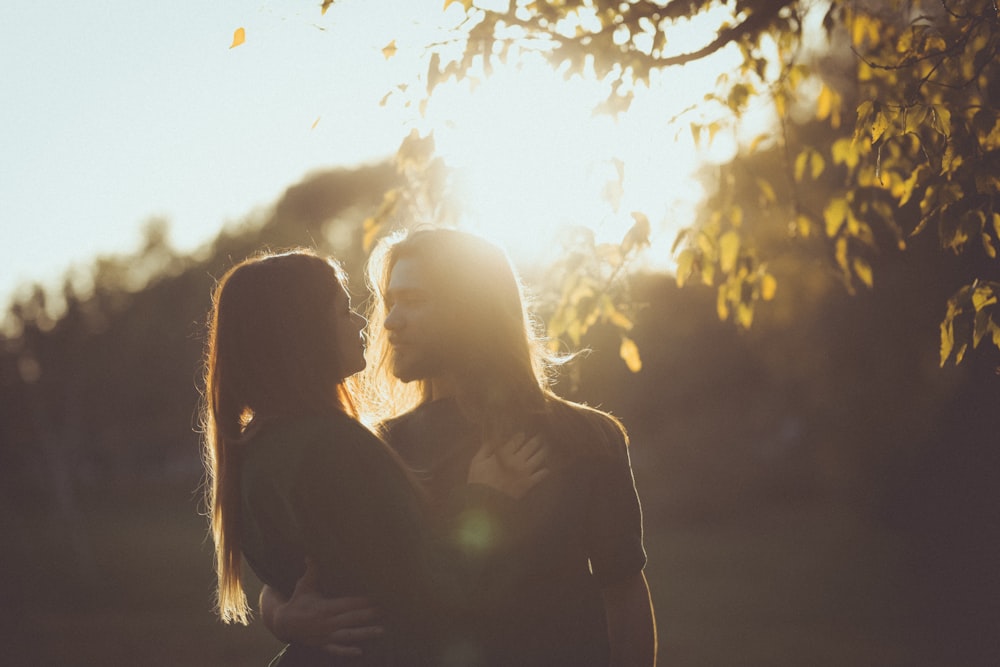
327,487
538,597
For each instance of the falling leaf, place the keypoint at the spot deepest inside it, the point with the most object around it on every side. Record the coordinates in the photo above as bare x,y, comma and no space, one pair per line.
239,37
325,6
629,352
389,50
315,123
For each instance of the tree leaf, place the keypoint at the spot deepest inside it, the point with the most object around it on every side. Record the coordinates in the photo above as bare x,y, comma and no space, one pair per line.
629,352
722,302
863,270
880,123
834,214
800,164
988,247
685,264
983,296
389,50
729,250
766,191
768,286
817,164
239,36
947,339
980,327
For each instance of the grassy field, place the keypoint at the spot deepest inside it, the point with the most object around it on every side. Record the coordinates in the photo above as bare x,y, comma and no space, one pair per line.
777,588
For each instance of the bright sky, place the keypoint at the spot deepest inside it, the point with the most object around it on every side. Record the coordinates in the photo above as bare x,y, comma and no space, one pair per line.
117,111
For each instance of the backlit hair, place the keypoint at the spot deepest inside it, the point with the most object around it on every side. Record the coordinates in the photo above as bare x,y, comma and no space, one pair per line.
503,369
271,352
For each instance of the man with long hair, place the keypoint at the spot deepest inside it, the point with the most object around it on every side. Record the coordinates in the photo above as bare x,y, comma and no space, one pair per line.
454,357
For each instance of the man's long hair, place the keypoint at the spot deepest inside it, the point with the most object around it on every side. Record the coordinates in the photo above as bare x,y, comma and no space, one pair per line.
271,352
503,368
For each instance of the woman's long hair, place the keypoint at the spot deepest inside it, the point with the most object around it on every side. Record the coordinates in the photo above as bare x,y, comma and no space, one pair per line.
503,367
270,353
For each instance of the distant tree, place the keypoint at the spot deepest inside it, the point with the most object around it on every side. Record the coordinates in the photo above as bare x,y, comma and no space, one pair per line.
886,126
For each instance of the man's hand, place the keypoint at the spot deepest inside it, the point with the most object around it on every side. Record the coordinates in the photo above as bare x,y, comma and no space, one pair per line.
513,467
339,626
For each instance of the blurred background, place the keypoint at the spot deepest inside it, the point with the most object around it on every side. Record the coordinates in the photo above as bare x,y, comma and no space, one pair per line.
817,489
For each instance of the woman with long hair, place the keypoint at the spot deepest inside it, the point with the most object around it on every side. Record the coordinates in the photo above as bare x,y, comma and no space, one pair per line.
293,475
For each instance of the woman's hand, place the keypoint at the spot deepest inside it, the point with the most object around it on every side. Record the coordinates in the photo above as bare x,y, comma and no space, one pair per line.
513,467
339,626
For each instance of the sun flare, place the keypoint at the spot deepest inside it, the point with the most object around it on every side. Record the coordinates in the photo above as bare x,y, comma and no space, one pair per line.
530,157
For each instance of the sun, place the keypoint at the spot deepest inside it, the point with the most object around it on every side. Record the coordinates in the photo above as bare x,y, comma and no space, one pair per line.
531,158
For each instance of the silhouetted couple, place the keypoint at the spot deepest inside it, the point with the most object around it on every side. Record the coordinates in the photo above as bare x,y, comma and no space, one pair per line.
484,521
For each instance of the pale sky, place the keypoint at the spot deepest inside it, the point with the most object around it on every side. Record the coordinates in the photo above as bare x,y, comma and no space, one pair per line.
114,112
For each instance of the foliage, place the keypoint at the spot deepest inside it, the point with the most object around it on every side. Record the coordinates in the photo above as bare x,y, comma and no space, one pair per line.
918,78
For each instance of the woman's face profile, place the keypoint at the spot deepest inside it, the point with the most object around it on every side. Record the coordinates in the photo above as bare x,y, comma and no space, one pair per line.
349,339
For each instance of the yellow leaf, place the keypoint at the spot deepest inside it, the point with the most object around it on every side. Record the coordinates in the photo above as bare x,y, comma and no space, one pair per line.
389,50
988,246
768,287
961,353
629,352
767,191
835,214
800,164
722,303
744,315
983,296
864,113
803,226
879,125
729,249
708,274
825,103
757,141
947,340
685,262
816,164
315,123
736,215
863,270
325,6
239,36
840,252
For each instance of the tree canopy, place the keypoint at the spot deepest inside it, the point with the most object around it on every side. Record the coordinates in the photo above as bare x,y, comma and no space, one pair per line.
883,128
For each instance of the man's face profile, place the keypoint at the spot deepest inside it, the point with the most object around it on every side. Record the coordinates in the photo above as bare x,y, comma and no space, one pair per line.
414,324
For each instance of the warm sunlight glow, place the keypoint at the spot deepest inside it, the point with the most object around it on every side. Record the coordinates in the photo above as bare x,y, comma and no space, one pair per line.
532,158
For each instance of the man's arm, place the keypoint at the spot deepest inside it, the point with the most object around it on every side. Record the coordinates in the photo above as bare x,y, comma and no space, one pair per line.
631,623
339,626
